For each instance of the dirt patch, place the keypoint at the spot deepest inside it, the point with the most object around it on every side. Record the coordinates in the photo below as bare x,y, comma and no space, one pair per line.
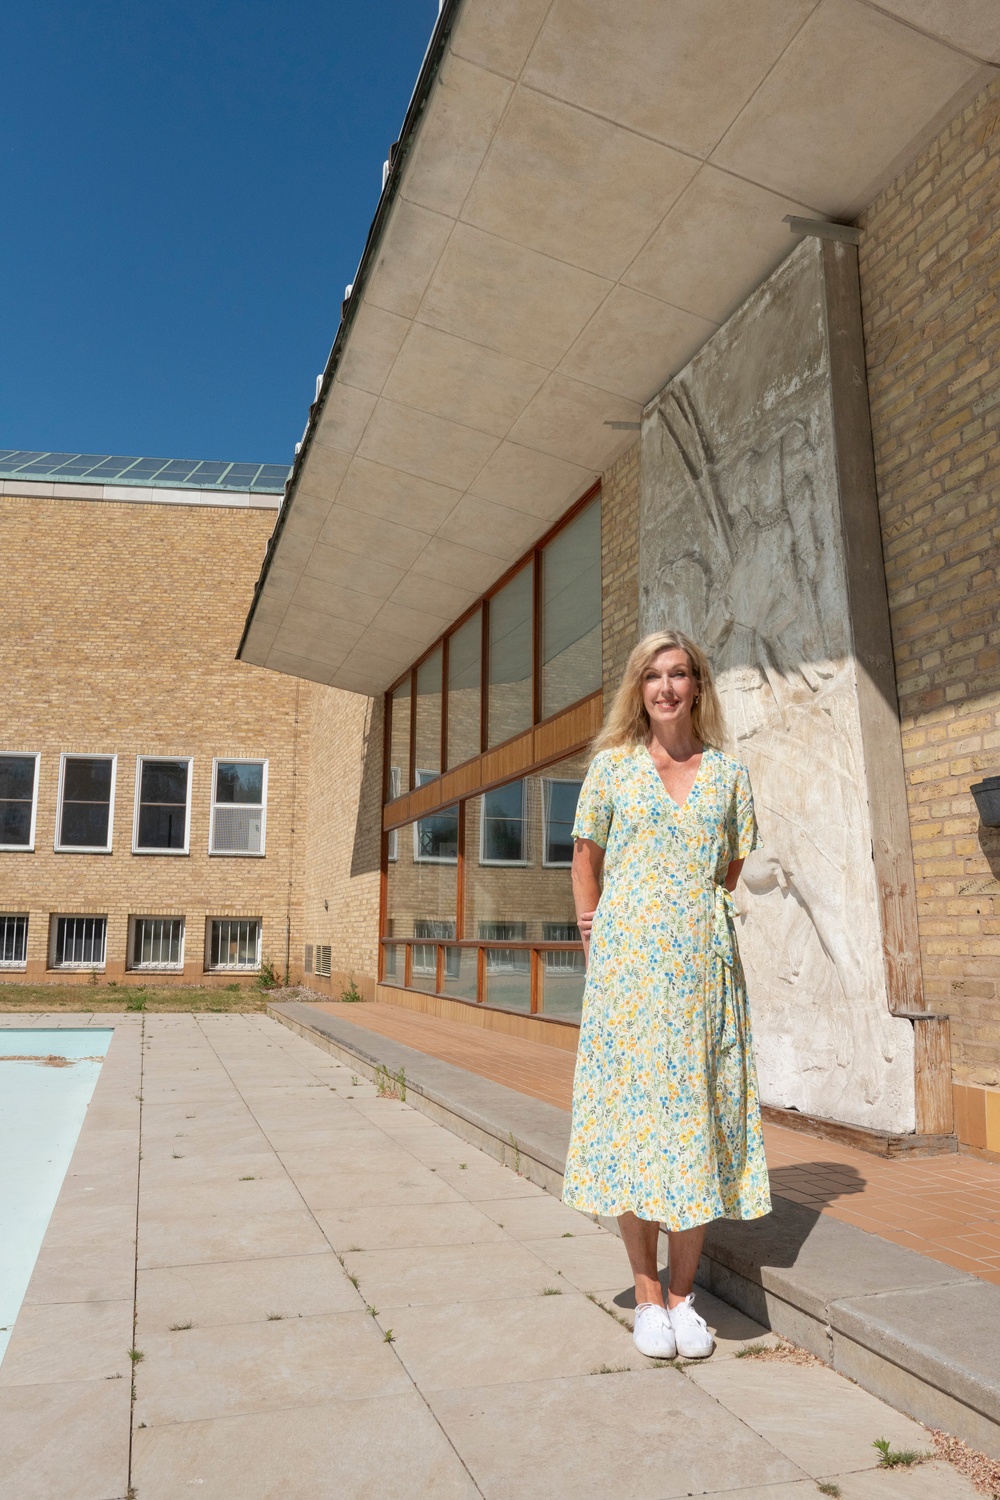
982,1472
783,1352
52,1060
89,999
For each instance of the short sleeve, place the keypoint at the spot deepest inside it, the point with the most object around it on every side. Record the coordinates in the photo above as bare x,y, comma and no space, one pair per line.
595,806
743,835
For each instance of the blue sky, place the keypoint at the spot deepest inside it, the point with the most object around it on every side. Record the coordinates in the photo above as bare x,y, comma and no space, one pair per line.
187,190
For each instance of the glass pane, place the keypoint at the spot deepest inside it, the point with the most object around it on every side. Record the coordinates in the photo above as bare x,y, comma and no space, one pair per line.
504,827
422,894
239,781
87,781
571,612
164,781
423,966
510,658
508,978
161,827
392,963
85,825
563,978
428,708
460,966
17,777
399,741
465,652
436,837
15,823
559,799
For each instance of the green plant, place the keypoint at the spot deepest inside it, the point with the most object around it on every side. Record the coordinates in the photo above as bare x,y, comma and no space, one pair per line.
609,1310
350,994
567,1235
371,1311
92,977
248,1179
390,1085
136,1001
387,1337
896,1458
180,1327
752,1351
276,1317
610,1370
355,1081
463,1166
136,1356
551,1291
234,989
268,978
517,1152
827,1487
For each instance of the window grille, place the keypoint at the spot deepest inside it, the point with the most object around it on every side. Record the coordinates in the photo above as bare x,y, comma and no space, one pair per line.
425,955
13,941
158,943
239,807
308,961
323,960
18,778
562,963
87,794
505,960
161,815
79,942
235,943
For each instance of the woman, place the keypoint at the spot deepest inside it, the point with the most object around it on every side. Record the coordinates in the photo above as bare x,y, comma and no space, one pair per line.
666,1121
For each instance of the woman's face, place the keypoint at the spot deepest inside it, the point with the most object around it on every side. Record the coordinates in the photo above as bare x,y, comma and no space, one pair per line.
669,688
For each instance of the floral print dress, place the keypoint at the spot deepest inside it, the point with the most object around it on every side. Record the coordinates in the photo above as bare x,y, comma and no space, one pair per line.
666,1119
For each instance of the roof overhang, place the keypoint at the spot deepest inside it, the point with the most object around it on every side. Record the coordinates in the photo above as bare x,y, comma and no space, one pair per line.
581,194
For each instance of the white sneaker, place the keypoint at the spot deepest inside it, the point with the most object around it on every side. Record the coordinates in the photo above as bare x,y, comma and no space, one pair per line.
653,1334
690,1330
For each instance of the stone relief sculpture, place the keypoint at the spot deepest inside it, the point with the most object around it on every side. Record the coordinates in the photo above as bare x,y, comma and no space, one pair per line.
740,545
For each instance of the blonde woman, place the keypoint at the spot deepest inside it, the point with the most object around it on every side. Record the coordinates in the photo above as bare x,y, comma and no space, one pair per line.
666,1121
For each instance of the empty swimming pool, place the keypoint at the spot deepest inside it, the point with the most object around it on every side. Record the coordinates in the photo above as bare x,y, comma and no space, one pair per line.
47,1078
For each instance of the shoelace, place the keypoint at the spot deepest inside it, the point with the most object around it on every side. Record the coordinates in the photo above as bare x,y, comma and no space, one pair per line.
686,1311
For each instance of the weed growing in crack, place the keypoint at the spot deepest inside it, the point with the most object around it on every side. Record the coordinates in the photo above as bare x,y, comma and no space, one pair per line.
827,1487
136,1356
248,1179
551,1291
387,1337
180,1327
276,1317
897,1458
592,1297
371,1311
611,1370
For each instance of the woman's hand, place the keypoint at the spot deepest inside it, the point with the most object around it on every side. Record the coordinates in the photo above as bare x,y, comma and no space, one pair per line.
588,862
585,922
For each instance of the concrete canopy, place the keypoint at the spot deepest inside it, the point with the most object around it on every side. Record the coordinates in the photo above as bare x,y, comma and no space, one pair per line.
581,194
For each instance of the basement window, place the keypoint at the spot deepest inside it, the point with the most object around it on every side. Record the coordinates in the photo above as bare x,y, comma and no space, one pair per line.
78,942
157,943
234,943
13,940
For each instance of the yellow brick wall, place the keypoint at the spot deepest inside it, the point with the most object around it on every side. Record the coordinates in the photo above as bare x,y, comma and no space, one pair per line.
930,281
120,623
620,566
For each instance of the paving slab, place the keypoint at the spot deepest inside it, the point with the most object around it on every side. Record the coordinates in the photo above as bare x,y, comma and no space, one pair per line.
67,1440
242,1291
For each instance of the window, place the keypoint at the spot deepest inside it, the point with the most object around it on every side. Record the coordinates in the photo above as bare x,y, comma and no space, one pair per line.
560,799
13,941
18,798
427,730
307,963
503,832
238,807
571,613
162,806
157,943
395,787
399,737
465,690
324,958
78,942
86,799
435,839
234,943
510,612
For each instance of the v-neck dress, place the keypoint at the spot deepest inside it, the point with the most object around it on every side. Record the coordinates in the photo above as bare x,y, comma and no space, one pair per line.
666,1118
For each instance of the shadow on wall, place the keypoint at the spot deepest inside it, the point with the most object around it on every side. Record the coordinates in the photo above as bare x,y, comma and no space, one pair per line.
989,842
366,854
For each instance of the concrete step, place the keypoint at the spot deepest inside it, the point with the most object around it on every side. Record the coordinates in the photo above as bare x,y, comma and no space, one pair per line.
911,1330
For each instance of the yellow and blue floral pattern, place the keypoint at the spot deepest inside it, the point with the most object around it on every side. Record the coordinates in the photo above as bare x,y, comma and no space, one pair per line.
666,1118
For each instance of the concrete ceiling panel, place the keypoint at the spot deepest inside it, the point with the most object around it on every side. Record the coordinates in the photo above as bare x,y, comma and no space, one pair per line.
334,568
318,636
376,338
337,602
463,382
376,490
549,159
258,642
345,415
461,567
301,666
850,94
634,344
372,536
444,600
454,137
411,247
427,446
509,298
324,468
366,665
535,482
407,624
568,420
721,234
973,25
678,72
503,532
498,34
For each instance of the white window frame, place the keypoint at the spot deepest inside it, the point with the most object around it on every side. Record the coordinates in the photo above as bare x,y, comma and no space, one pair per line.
430,859
253,968
35,755
130,962
547,781
75,916
16,965
61,848
395,789
177,760
238,760
507,863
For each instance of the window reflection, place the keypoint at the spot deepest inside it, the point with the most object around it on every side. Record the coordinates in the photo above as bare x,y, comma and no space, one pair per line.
465,696
428,713
510,658
399,741
571,613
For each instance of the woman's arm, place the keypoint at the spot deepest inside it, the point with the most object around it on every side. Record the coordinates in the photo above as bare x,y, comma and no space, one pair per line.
588,862
733,874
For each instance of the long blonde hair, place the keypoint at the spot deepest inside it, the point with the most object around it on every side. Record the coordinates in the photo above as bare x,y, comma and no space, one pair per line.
628,721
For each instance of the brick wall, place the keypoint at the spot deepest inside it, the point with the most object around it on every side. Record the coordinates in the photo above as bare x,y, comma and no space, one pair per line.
120,623
930,280
620,566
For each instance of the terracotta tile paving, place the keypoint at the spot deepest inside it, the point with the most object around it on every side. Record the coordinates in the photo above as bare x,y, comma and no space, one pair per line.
946,1207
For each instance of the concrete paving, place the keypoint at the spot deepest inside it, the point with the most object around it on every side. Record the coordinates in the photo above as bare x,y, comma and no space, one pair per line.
263,1279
